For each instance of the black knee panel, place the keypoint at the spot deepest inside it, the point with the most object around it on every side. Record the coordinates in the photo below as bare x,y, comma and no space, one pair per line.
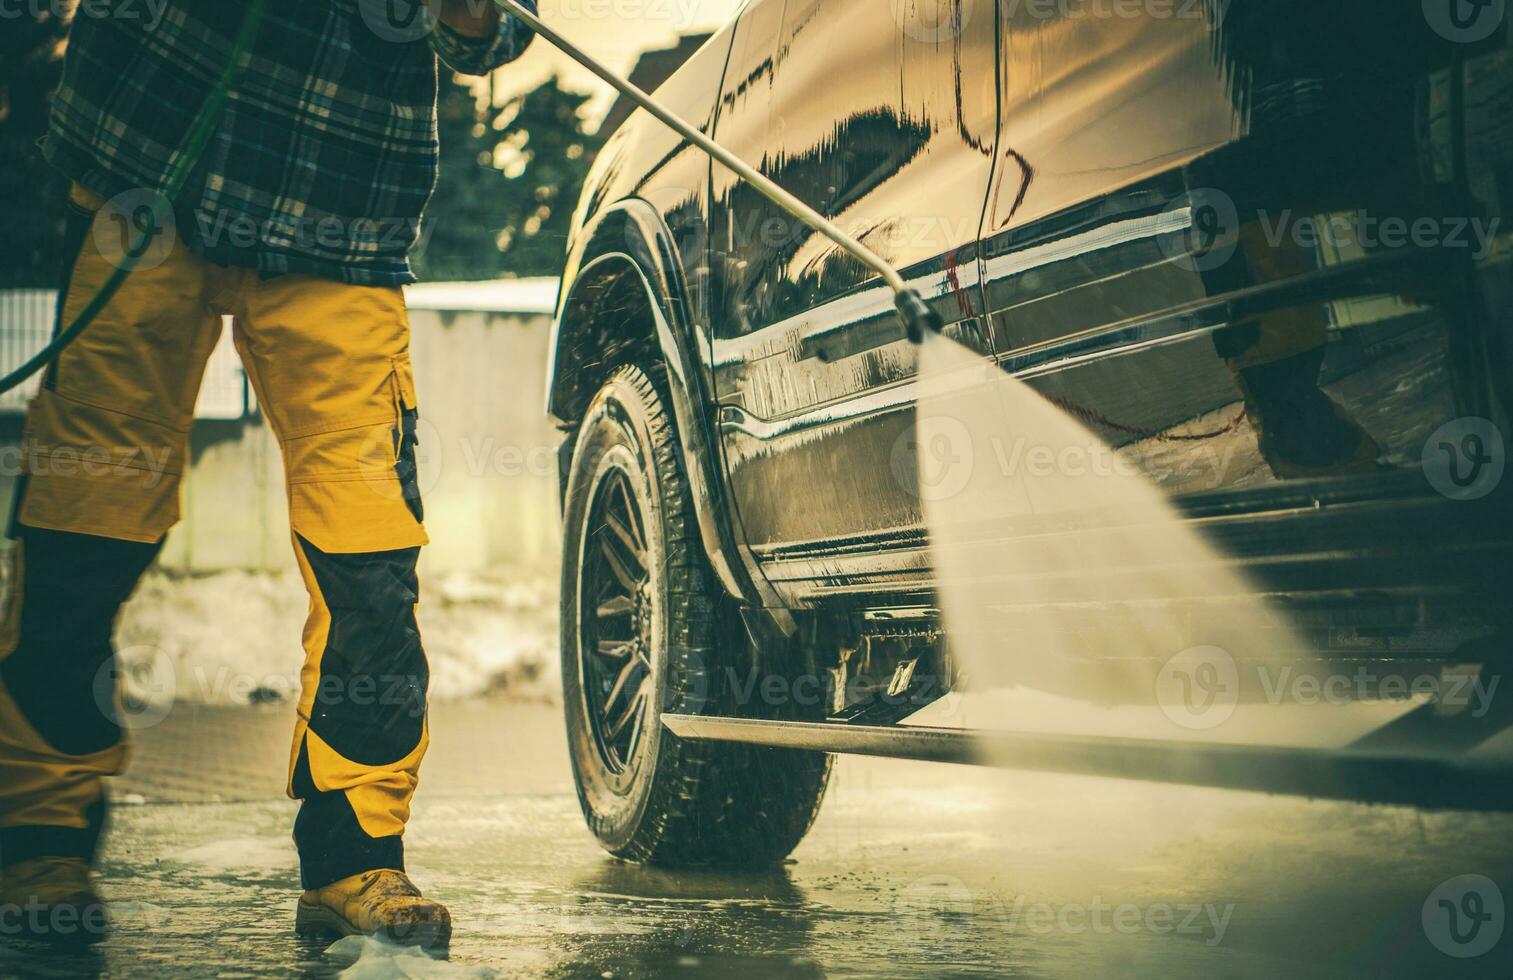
61,674
370,699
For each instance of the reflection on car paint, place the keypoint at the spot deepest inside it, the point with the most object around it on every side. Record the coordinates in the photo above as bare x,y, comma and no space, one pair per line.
1107,206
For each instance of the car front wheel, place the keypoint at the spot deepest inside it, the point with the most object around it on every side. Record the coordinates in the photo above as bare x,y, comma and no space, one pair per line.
647,630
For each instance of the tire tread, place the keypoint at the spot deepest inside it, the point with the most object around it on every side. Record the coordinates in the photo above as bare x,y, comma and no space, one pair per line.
712,803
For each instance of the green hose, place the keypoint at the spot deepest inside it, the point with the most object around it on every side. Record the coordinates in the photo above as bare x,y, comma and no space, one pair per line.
187,158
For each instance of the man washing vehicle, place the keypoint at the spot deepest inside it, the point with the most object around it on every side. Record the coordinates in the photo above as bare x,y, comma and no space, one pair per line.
297,222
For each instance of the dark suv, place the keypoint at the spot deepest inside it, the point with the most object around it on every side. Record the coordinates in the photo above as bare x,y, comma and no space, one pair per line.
1256,247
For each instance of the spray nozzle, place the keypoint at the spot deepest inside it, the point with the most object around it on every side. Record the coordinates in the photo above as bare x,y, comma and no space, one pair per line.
917,315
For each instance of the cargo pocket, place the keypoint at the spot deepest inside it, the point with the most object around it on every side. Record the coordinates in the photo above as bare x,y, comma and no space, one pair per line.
92,470
354,488
406,435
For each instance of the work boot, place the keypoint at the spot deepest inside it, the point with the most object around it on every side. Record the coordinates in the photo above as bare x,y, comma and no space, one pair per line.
52,900
382,903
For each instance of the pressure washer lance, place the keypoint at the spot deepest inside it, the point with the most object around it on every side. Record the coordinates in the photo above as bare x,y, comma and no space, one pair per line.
916,314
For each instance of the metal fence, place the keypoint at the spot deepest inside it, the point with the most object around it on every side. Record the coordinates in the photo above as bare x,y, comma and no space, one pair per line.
27,318
26,324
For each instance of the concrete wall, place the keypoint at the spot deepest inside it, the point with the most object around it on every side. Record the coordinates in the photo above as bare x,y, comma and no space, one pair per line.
488,451
486,455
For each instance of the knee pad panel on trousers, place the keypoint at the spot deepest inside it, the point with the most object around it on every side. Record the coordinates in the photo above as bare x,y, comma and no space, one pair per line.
93,470
370,697
354,480
42,840
71,586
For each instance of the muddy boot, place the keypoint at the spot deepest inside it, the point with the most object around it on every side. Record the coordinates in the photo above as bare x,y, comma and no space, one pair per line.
52,900
382,903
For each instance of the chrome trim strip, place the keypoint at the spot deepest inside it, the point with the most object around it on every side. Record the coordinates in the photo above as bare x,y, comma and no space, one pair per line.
1096,240
904,393
1197,319
869,302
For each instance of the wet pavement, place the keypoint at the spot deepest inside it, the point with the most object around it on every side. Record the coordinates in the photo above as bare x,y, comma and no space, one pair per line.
912,870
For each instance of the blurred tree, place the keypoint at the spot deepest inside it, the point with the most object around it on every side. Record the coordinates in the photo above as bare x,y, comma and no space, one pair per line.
546,156
465,214
32,193
507,186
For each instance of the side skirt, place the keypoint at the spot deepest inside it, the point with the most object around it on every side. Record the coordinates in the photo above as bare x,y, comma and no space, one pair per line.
1360,775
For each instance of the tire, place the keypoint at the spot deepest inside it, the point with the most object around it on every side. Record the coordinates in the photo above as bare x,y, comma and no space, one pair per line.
658,638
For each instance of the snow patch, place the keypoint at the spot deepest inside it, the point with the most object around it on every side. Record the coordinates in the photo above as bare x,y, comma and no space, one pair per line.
258,853
136,916
367,958
233,637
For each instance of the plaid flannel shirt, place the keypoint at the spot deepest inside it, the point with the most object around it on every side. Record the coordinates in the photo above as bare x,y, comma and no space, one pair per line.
326,154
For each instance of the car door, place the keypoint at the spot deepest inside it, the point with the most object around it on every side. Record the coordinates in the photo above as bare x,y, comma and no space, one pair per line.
883,117
1158,257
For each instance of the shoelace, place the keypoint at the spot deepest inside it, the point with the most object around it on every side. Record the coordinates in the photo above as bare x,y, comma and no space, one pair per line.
387,883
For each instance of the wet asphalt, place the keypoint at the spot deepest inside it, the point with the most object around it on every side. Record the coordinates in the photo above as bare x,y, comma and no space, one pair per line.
913,870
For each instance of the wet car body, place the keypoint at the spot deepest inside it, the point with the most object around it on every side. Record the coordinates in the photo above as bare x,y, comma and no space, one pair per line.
1172,223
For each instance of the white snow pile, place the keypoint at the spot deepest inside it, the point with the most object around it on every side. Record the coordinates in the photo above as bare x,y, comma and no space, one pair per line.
242,853
366,958
233,638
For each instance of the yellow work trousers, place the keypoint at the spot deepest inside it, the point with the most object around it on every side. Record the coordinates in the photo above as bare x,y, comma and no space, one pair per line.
105,449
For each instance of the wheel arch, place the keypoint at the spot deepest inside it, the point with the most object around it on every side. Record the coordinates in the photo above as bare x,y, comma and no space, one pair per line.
623,301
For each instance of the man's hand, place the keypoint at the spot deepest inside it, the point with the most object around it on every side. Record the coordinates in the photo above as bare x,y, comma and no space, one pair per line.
470,18
473,37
